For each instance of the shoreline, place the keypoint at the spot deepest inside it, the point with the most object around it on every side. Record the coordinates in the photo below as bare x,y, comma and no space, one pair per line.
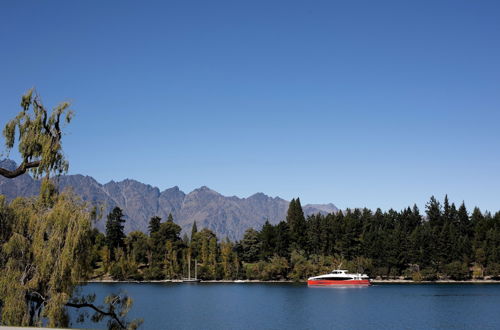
435,282
303,282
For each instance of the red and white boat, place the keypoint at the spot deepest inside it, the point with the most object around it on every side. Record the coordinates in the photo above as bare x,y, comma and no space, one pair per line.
339,277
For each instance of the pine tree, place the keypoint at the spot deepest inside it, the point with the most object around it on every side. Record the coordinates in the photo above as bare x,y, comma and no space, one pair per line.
447,216
416,218
154,225
313,235
114,230
435,220
297,222
464,221
251,245
283,240
434,214
194,230
168,231
137,246
267,236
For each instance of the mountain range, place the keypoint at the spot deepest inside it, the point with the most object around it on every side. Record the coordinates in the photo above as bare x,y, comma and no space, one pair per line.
226,216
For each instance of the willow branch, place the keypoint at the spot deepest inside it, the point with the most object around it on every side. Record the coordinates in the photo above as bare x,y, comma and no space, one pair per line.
18,171
58,127
44,120
100,311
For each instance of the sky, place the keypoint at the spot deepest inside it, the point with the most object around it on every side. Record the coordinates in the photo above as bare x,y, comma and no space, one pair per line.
359,103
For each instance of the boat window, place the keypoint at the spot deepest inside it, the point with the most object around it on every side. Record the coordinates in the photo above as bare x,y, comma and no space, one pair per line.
336,278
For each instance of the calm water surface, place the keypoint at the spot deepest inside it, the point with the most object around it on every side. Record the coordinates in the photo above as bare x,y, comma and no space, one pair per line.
292,306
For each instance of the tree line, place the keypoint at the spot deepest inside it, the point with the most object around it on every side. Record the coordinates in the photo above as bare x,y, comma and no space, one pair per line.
447,242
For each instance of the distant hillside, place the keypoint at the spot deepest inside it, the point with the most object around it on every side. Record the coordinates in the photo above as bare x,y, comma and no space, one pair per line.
226,216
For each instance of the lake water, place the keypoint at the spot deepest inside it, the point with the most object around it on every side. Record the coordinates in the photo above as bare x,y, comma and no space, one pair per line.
296,306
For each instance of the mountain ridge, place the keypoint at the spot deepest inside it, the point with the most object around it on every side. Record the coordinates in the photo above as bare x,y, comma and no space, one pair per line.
227,216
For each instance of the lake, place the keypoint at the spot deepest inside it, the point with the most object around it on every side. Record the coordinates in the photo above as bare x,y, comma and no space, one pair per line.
296,306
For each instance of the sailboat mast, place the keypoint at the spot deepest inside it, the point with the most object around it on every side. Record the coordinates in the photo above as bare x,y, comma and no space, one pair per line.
189,267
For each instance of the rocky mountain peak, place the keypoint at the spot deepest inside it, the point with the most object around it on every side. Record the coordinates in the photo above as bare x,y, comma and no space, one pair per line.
8,164
226,216
259,196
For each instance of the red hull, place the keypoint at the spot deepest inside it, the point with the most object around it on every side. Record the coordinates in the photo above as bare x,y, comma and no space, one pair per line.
339,283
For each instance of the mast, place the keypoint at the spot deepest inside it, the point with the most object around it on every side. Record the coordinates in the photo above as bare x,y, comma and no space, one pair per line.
189,267
195,269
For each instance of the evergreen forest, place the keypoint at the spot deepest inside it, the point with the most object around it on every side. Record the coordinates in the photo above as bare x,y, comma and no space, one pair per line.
445,243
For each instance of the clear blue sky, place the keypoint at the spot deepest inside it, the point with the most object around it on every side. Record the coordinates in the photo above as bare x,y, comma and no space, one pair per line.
359,103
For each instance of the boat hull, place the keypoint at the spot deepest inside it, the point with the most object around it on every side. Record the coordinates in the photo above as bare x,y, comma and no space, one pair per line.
191,280
339,283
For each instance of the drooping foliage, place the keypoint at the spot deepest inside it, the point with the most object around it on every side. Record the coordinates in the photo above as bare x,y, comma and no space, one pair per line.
44,257
38,135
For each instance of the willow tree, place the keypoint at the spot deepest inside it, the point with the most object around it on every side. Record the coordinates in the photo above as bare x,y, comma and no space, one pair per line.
39,136
44,241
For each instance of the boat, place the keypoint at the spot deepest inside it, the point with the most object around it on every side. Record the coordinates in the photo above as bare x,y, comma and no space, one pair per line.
189,279
340,277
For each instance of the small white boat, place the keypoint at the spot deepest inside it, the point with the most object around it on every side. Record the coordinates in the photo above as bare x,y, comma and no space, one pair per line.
340,277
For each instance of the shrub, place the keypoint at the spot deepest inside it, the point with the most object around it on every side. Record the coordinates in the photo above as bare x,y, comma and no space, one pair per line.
456,270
